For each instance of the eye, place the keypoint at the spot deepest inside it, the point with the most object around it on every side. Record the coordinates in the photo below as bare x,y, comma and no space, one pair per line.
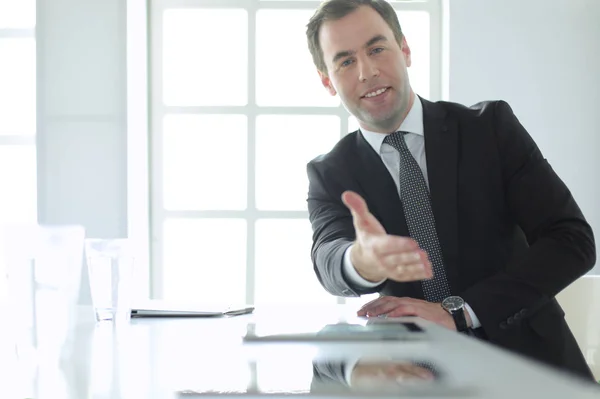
346,63
377,50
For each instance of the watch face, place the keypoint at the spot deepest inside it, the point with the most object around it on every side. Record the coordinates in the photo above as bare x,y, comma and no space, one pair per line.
453,303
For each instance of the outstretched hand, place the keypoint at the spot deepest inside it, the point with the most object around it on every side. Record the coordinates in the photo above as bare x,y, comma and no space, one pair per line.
377,255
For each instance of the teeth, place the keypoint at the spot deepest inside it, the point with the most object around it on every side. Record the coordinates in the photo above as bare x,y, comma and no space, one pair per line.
375,93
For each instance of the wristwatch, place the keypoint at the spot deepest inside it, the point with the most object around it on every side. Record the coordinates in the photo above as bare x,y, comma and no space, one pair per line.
455,305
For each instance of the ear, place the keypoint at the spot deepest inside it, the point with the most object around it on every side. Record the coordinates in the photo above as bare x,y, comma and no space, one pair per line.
327,83
406,52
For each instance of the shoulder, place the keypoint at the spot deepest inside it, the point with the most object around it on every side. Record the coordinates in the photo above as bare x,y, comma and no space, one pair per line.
342,151
481,110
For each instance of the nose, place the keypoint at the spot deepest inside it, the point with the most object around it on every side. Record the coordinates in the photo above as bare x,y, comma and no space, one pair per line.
367,69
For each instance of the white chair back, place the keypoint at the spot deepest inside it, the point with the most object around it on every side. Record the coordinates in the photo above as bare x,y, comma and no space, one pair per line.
581,303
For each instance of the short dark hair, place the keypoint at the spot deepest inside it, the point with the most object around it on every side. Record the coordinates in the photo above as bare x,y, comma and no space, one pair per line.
332,10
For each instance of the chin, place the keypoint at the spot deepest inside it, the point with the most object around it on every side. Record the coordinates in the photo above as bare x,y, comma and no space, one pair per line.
386,122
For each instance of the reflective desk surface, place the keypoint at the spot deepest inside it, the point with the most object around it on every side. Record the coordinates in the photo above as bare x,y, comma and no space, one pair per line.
208,357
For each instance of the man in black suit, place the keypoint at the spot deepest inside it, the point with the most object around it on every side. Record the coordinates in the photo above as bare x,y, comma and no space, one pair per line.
438,203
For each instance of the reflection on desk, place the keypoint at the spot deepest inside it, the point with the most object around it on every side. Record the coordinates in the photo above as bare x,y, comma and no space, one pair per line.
169,358
370,376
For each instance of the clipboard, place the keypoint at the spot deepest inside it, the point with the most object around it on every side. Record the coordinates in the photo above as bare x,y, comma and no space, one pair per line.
171,309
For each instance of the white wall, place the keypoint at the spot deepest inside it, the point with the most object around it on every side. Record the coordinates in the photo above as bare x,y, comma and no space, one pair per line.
543,58
82,109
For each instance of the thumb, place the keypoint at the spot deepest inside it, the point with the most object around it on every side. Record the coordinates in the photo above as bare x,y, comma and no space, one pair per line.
363,219
355,203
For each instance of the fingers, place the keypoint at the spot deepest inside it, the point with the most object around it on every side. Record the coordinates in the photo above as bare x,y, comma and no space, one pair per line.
413,371
392,307
398,372
383,309
372,304
405,273
390,244
410,257
386,305
399,258
405,310
408,266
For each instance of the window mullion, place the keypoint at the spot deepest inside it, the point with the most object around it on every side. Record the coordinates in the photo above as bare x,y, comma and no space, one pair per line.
251,182
251,214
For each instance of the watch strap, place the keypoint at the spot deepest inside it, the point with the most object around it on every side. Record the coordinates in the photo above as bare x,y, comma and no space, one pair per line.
460,320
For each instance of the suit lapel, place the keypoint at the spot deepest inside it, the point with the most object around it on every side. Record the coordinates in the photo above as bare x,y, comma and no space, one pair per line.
379,188
441,151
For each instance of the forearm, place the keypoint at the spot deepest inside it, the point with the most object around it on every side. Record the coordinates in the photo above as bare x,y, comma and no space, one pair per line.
328,260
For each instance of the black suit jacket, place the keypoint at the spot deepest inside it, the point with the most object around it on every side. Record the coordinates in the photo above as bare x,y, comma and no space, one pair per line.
512,236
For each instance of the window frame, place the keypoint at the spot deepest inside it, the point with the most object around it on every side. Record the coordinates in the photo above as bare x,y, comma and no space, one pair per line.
158,110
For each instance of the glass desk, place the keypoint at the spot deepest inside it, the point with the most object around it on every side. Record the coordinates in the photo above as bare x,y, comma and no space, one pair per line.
208,357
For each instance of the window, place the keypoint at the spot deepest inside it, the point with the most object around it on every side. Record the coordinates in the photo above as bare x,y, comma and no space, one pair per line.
237,110
17,113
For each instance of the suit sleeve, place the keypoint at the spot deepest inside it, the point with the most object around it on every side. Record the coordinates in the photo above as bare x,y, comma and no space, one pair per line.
561,242
333,232
328,377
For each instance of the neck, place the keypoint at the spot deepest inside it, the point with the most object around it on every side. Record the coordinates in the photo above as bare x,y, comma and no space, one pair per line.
394,125
411,101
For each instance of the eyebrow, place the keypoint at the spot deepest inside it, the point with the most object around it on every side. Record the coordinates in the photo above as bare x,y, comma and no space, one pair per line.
378,38
347,53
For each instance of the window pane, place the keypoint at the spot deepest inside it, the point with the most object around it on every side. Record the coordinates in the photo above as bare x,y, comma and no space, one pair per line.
415,26
205,57
205,162
18,203
204,260
284,145
283,58
17,86
284,271
17,14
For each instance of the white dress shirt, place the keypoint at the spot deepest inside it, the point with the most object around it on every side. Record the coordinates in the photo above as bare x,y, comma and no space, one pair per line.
415,140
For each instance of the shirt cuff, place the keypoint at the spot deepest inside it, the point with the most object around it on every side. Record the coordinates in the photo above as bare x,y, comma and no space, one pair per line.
352,275
474,319
348,368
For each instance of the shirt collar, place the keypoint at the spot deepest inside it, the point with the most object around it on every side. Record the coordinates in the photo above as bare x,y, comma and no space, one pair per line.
413,123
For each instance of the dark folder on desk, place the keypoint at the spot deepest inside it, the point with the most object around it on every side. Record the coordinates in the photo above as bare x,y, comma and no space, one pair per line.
170,309
378,331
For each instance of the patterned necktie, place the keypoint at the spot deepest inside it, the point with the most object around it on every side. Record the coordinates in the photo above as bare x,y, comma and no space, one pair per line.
419,217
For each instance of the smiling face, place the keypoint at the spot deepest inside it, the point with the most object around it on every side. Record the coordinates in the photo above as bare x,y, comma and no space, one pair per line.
368,69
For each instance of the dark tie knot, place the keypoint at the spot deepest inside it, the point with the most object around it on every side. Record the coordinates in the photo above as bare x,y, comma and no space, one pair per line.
397,140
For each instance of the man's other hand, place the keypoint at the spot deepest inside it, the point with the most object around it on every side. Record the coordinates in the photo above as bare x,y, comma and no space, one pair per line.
392,306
